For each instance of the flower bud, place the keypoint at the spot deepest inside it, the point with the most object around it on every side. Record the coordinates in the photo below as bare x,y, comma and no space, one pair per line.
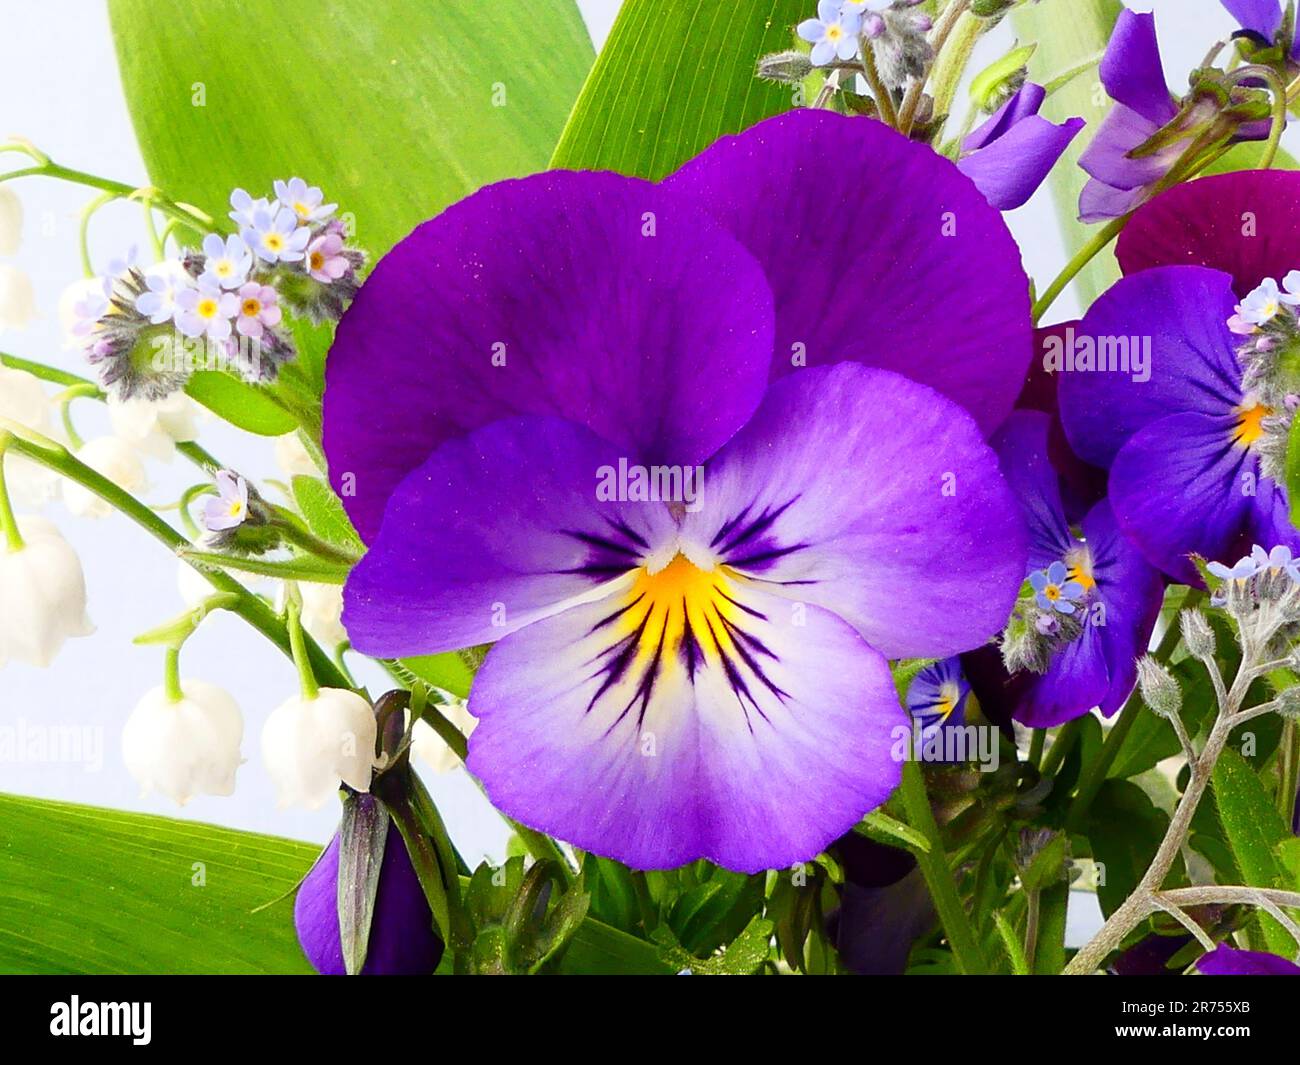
154,427
113,458
1197,633
42,595
11,221
402,940
23,400
787,67
309,745
322,612
1160,690
17,298
1288,702
184,748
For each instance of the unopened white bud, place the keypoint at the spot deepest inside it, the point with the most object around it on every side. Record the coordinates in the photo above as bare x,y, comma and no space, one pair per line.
292,456
23,399
184,748
309,745
429,747
11,221
322,612
17,298
113,458
155,427
42,595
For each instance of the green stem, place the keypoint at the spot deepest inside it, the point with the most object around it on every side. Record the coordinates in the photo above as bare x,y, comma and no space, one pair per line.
1081,258
172,675
8,523
64,400
884,102
1061,746
1036,742
1289,775
83,236
301,570
186,213
938,876
248,606
306,678
1278,93
313,545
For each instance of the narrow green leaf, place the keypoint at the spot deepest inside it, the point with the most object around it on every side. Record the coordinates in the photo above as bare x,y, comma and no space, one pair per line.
1293,470
672,79
362,836
1254,830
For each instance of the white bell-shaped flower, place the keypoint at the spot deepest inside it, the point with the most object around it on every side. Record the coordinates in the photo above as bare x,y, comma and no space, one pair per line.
23,399
17,298
292,456
429,747
309,745
116,460
42,595
155,427
322,612
192,585
11,221
185,748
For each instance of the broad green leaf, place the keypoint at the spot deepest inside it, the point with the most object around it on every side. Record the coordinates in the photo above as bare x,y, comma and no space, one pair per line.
1253,829
395,110
87,890
1067,33
1247,156
241,404
324,513
672,79
446,671
1125,829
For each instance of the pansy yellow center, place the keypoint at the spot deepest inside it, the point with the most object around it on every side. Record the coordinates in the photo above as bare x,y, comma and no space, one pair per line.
1250,424
681,608
206,308
1080,568
948,696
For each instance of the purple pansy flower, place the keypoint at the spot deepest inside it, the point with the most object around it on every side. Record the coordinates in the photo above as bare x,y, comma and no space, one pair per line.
1010,155
206,310
884,906
402,940
706,676
276,236
833,33
1120,592
1224,960
259,309
229,507
937,696
1182,447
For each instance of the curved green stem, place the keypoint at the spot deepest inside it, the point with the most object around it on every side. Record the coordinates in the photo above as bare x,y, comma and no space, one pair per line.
938,876
1278,92
172,675
306,678
1081,258
186,213
83,236
248,606
8,523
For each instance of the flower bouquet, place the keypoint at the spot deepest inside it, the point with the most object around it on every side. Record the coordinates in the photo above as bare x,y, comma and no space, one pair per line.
675,444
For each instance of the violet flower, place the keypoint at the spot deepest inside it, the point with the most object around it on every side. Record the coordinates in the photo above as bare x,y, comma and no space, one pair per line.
1011,154
1264,19
674,681
1182,448
884,906
1122,592
402,939
937,696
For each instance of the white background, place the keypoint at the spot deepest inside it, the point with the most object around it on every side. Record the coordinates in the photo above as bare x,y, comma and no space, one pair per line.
59,87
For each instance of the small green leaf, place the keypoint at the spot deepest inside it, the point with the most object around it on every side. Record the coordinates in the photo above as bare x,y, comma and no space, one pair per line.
324,513
362,836
988,80
248,407
446,671
1125,829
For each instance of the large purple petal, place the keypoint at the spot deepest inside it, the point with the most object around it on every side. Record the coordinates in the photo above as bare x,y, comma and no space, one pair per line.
497,529
1224,960
1076,680
1245,223
1022,448
1132,70
592,296
402,939
1009,170
874,497
1260,16
1193,363
877,250
1181,486
658,728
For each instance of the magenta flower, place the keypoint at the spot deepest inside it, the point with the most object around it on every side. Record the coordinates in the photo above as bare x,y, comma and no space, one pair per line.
259,309
1011,154
698,677
325,260
1224,960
